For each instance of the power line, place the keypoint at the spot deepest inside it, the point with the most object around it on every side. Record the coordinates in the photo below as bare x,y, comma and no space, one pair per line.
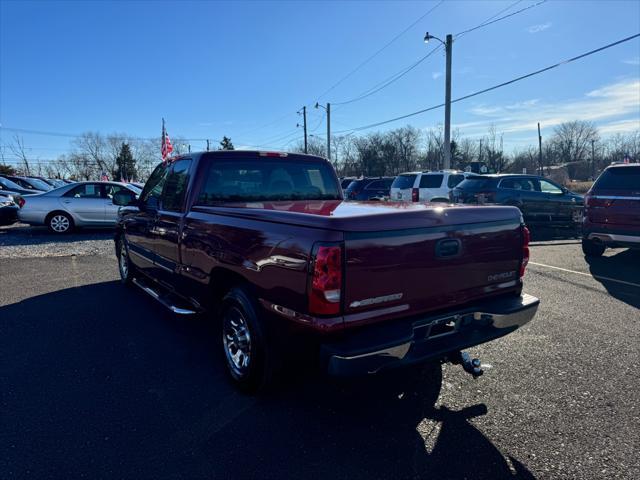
517,79
398,75
490,21
385,83
362,64
74,135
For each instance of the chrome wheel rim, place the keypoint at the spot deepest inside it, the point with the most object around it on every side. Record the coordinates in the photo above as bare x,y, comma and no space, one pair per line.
237,341
59,223
124,262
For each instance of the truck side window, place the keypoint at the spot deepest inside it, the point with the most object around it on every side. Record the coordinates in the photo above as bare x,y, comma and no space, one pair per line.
153,187
176,186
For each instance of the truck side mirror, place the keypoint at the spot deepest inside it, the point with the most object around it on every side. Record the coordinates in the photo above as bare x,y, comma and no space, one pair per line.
125,198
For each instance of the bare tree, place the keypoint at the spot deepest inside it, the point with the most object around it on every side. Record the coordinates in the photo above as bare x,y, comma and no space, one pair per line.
18,149
572,140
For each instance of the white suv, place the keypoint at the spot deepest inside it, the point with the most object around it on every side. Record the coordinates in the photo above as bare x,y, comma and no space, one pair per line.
425,186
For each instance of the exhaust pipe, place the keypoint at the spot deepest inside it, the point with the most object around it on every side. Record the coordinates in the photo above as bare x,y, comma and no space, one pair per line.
473,366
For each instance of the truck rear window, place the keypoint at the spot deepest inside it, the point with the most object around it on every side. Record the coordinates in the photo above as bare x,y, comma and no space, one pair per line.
267,180
621,178
404,181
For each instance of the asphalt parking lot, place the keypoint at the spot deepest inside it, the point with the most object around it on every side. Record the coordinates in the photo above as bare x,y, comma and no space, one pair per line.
98,381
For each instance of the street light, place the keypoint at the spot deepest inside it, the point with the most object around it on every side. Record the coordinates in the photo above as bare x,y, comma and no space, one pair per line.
447,100
428,36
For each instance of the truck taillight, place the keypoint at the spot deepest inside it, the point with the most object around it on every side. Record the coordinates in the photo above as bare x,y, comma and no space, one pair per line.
415,194
326,281
526,238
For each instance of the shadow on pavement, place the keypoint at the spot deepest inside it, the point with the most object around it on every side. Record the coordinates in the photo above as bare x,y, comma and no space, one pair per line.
100,381
613,271
25,235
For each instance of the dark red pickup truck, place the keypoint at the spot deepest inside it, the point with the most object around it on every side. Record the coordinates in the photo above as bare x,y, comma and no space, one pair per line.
265,243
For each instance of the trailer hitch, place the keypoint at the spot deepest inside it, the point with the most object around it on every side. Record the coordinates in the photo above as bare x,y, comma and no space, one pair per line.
470,365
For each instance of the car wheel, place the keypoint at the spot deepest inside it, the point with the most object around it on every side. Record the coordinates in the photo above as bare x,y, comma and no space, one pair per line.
60,222
248,358
124,262
591,249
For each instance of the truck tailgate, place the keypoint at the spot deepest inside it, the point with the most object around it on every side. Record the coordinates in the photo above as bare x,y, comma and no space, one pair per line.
444,264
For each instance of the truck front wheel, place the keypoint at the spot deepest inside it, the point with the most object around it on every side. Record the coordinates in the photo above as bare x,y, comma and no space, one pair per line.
248,358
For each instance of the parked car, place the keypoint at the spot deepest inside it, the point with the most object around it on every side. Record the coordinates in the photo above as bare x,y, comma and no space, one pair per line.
369,188
541,201
7,186
264,243
29,183
9,206
612,210
54,182
425,186
76,205
345,181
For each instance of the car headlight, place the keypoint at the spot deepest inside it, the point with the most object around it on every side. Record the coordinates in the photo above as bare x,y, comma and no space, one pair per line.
6,201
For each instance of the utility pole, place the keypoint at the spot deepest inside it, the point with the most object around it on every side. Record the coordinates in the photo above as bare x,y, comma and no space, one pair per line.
593,159
328,110
540,151
304,124
207,144
447,106
328,131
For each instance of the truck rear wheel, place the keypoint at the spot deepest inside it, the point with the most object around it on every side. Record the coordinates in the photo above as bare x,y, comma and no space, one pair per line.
248,357
591,249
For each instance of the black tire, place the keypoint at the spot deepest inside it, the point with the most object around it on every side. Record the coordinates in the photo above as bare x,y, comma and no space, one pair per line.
249,361
60,223
591,249
125,267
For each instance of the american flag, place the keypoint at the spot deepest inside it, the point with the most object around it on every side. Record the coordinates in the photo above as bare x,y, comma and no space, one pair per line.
166,147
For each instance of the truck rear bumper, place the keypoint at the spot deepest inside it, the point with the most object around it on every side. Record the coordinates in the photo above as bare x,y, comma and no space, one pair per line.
418,340
614,239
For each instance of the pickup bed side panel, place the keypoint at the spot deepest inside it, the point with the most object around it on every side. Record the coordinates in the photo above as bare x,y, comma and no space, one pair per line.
272,257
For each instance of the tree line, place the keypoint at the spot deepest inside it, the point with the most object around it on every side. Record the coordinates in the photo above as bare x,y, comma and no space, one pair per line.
577,145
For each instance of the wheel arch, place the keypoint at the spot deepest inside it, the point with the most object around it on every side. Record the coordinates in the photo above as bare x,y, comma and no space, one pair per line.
222,280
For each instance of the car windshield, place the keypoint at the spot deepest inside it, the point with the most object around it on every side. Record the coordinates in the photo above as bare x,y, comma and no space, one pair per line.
9,185
621,178
39,184
268,180
477,183
404,181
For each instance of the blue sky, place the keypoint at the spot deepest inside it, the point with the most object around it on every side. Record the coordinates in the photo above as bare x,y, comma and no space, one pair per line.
243,69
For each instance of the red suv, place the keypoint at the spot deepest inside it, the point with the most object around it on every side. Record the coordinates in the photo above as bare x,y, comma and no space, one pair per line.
612,210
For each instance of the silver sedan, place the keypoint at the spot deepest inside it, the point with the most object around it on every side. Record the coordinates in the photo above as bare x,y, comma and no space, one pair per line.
77,205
